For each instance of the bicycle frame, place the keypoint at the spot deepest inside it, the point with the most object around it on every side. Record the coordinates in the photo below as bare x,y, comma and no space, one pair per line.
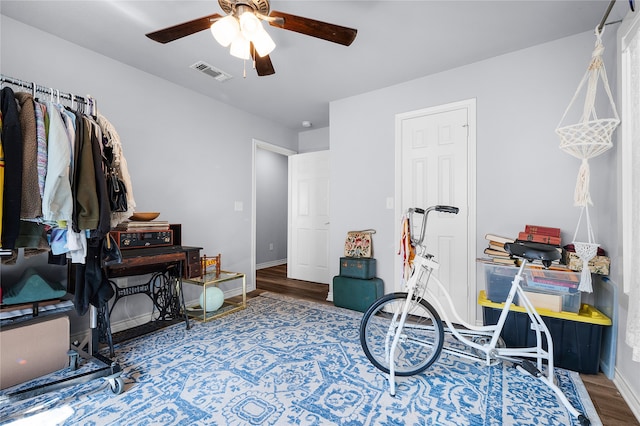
419,286
414,287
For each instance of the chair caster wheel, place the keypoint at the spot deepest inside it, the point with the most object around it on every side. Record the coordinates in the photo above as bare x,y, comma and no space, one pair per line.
117,385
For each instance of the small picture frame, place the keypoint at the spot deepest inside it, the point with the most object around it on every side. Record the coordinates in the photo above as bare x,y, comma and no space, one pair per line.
210,265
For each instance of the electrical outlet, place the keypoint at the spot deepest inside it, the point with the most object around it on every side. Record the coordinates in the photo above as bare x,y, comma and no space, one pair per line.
270,246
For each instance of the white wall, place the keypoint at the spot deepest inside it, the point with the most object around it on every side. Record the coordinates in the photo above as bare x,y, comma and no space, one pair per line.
189,156
522,175
313,140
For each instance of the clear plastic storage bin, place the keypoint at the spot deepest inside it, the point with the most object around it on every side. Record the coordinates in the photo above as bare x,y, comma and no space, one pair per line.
561,285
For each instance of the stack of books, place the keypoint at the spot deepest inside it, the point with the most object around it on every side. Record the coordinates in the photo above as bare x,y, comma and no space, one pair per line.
541,234
544,235
550,280
156,225
496,252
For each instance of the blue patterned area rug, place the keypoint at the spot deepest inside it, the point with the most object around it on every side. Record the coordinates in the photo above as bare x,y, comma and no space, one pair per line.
285,361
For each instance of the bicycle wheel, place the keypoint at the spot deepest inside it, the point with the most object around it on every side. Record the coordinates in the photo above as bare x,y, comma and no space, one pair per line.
420,341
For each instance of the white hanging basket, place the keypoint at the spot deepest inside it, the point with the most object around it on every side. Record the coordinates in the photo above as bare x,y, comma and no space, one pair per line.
585,251
591,136
587,139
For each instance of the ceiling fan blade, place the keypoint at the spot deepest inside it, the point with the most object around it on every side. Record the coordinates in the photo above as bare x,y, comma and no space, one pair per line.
313,28
175,32
263,63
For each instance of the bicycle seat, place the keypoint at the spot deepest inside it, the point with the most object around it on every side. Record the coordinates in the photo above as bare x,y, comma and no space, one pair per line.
533,251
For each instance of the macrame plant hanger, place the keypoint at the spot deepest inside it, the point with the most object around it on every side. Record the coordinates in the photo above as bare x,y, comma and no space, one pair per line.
588,138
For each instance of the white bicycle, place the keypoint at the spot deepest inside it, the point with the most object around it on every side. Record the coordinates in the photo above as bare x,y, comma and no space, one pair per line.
402,334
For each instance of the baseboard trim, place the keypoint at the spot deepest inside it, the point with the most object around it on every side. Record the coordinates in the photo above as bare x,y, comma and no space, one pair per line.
271,264
85,336
627,394
128,323
144,318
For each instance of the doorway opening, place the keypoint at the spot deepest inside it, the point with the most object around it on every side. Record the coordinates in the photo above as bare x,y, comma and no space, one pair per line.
270,190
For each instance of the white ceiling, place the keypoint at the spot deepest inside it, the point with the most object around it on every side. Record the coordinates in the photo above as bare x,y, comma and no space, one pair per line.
397,41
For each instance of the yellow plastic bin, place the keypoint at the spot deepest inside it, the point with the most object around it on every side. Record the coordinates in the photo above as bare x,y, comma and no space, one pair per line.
576,336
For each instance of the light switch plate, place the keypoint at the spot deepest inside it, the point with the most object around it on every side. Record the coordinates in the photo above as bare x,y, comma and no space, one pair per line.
389,202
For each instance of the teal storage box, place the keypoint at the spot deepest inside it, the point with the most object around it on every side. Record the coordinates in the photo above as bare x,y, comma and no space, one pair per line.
358,267
355,293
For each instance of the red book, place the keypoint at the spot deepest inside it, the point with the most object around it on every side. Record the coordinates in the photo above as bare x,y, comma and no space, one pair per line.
542,230
539,238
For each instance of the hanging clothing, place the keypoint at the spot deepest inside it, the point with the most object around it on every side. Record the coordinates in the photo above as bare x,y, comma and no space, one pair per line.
632,337
57,201
33,236
31,201
104,215
41,136
12,146
1,177
69,119
111,139
86,210
92,286
77,245
53,175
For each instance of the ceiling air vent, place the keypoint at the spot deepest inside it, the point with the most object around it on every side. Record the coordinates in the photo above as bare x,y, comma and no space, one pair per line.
211,71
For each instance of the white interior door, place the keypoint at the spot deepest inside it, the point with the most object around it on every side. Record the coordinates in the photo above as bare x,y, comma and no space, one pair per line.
308,254
435,146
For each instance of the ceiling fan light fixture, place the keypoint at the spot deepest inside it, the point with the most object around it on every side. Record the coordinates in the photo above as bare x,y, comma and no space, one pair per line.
252,29
250,25
225,30
242,30
240,47
263,43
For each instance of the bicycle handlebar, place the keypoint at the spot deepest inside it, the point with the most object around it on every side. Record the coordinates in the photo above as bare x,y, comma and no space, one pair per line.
439,208
447,209
425,213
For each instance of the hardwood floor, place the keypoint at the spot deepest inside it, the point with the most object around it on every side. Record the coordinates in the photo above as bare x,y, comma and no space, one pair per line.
611,407
275,279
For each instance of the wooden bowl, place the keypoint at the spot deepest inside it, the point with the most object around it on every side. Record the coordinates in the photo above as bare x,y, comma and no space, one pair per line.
144,216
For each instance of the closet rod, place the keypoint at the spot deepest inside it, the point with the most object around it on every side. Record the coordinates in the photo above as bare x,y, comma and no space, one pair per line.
606,15
88,101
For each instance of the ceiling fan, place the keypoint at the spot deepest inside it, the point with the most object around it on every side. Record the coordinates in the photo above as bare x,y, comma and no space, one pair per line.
242,30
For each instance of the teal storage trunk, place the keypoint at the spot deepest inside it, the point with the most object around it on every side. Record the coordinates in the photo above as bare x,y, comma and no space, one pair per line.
358,267
355,293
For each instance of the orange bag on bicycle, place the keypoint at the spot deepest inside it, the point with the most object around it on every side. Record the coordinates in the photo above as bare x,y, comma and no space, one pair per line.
407,251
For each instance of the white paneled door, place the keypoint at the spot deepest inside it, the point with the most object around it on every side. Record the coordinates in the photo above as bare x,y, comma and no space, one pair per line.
308,255
435,170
